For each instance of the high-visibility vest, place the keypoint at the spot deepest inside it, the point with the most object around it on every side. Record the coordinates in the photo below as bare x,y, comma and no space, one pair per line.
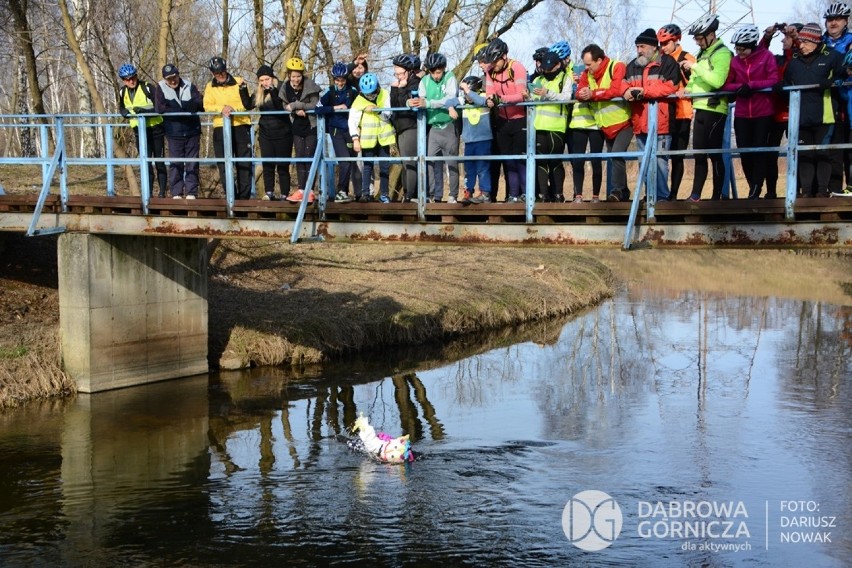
608,113
373,128
551,118
583,117
140,99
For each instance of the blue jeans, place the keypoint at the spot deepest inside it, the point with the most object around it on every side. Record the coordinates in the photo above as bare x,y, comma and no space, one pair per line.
664,142
477,168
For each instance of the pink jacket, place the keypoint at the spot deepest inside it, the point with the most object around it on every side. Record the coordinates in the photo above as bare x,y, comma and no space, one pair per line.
509,85
759,71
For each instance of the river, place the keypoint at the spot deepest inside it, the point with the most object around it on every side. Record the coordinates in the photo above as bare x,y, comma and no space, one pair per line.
680,429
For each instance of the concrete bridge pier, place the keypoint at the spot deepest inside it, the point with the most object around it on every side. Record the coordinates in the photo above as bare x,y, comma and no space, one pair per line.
132,309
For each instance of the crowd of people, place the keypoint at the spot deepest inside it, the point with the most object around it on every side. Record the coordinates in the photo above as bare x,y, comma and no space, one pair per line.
603,104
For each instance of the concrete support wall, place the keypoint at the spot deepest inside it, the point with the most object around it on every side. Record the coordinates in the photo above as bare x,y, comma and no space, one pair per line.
132,310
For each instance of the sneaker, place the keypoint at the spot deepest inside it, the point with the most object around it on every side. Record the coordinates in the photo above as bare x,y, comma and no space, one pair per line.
190,197
613,197
384,199
342,197
845,192
578,199
177,196
296,196
266,197
513,200
596,199
452,200
467,195
694,199
481,198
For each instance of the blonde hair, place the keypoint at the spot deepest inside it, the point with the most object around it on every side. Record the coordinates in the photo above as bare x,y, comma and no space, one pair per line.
261,96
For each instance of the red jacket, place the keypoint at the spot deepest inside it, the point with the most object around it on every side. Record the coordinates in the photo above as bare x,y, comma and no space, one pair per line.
615,90
659,78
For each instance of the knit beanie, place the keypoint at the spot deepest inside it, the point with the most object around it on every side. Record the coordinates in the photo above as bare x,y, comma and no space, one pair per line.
811,32
265,70
648,37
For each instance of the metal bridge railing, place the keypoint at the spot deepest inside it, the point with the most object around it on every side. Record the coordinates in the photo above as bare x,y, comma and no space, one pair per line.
323,162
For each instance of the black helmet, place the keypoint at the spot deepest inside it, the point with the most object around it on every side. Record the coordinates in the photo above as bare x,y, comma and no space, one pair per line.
407,61
217,65
539,53
435,61
474,82
496,49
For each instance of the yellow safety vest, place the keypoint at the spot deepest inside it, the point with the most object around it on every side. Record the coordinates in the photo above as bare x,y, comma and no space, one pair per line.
140,99
550,118
608,113
373,128
583,117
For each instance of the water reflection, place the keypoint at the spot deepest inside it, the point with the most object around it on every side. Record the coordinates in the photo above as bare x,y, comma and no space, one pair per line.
647,397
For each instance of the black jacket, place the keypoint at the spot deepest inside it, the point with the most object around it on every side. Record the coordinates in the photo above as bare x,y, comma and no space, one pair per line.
822,67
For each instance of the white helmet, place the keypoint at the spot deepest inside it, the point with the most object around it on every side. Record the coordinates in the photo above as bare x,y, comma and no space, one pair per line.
704,25
746,35
837,10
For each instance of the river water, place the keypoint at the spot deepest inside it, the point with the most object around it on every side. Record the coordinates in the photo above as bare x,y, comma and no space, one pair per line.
683,429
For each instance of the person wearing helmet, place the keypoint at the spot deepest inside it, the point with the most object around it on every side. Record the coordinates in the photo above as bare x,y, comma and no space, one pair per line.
506,85
669,37
845,91
707,75
301,95
477,136
372,132
551,120
652,75
600,83
536,57
177,96
752,69
275,133
815,64
137,97
838,37
438,91
789,46
225,95
335,103
404,93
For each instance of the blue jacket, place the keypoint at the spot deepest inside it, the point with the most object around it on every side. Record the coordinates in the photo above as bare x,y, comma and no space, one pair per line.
329,99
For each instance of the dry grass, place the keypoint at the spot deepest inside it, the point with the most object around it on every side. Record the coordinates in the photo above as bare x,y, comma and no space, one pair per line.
280,304
30,366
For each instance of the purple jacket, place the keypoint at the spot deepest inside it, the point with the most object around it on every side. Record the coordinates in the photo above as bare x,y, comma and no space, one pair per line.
759,71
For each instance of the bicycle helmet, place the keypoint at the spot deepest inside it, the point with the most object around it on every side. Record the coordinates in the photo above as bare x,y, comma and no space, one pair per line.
479,51
837,10
704,25
496,49
407,61
847,59
127,71
669,32
746,35
295,64
339,69
368,83
217,65
475,83
562,49
539,53
435,61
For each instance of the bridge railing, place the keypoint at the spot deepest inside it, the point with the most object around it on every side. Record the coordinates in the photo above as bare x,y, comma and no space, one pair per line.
55,128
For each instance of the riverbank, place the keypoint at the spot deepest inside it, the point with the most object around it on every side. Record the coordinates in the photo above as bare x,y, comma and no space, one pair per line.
271,303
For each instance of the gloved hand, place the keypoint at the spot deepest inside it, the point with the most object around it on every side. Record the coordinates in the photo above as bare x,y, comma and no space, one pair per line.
778,88
743,91
826,84
713,101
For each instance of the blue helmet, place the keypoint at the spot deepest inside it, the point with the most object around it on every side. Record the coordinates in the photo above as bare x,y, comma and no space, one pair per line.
368,83
127,71
562,49
339,69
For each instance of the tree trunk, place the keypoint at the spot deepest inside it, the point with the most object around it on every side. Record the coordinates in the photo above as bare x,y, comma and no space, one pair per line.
88,136
226,29
92,87
259,32
25,45
28,147
163,36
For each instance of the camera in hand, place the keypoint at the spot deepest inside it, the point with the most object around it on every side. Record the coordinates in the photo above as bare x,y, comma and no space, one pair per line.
636,93
780,27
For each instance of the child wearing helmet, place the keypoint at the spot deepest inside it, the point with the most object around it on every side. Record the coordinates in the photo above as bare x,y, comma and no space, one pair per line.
335,103
752,69
404,93
372,132
301,95
438,95
845,90
477,137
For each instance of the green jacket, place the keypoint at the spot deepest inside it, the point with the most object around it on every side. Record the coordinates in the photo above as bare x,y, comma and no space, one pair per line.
708,74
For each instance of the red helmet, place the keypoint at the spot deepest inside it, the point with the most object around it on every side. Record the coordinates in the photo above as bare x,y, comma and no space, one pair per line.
669,32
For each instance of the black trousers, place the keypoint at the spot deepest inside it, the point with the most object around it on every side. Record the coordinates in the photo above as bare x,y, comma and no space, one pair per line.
155,140
241,145
276,148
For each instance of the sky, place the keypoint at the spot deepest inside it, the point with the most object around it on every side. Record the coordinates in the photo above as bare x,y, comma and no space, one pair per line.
656,13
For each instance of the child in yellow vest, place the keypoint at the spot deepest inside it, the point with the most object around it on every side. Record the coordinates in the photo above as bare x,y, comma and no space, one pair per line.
372,133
